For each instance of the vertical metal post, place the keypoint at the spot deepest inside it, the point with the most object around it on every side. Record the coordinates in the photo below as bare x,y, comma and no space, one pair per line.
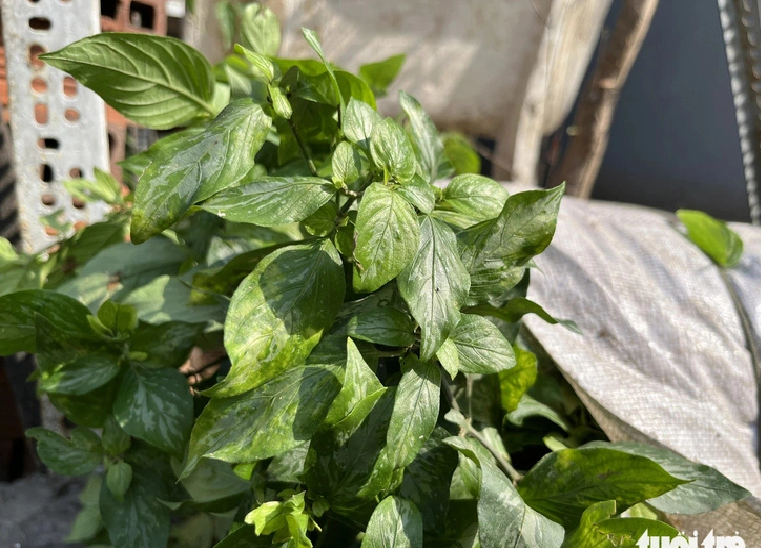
742,34
59,127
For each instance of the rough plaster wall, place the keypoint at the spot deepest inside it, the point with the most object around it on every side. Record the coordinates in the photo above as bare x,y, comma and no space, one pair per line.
568,42
496,69
467,62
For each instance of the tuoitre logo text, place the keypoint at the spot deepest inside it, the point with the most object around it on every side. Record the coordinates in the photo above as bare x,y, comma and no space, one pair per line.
710,541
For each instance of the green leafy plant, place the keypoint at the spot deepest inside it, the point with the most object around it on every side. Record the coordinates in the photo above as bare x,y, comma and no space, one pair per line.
374,389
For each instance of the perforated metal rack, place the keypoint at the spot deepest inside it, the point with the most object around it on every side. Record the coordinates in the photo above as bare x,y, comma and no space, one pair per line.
58,126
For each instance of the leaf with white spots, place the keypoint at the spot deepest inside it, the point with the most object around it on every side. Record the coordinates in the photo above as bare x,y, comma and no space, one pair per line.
707,490
77,456
359,383
481,348
416,409
435,285
155,405
478,198
197,167
386,238
496,251
269,420
271,201
430,150
359,121
392,150
395,523
504,519
140,518
279,312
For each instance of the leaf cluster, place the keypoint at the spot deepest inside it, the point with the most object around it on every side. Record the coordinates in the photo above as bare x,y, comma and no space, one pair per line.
363,382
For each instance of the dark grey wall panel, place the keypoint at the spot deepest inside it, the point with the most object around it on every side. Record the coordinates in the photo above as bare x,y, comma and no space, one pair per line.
674,141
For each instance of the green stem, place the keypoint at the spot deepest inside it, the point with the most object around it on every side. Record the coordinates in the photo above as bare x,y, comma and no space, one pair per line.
303,147
353,195
507,468
323,535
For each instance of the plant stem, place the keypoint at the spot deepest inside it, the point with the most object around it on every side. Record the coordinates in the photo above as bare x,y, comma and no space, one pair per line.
323,535
303,147
353,195
507,468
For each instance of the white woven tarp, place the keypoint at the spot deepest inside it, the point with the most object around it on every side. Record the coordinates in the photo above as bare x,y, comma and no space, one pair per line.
663,357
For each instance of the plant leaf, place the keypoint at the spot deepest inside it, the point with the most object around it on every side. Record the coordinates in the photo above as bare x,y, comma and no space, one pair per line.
420,194
118,318
564,483
270,419
459,151
165,345
514,382
115,441
722,245
429,150
271,201
105,187
91,409
474,196
514,309
280,103
504,519
279,312
496,251
387,237
426,480
359,122
707,490
118,479
196,168
17,318
245,537
322,222
597,530
388,326
449,357
346,164
481,348
260,29
341,462
77,456
435,285
395,523
155,405
416,409
311,37
140,519
392,150
360,385
528,407
169,299
69,365
156,81
380,75
352,87
120,269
